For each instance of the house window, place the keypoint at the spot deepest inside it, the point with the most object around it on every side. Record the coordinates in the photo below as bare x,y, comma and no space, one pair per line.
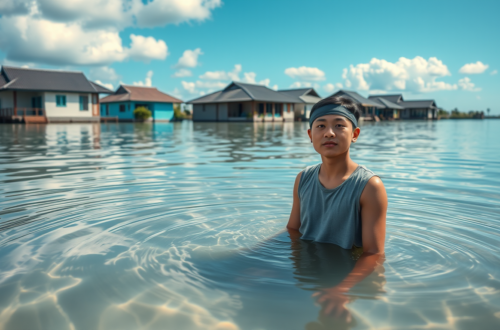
94,99
261,109
107,109
84,103
61,100
122,107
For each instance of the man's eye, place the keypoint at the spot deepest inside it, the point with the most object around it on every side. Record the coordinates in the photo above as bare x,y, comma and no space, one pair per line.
319,126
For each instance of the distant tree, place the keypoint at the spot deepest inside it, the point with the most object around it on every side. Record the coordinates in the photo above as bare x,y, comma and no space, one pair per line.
488,111
178,114
443,113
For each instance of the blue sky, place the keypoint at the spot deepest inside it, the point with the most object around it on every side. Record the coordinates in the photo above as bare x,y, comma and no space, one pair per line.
442,50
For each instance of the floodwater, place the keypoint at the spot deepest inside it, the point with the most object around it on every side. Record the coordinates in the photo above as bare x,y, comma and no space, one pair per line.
180,226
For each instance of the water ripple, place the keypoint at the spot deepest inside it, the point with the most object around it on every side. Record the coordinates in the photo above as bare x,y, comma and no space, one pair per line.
181,226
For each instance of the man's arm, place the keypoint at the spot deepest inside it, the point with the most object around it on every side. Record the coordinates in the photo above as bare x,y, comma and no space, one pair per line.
373,217
294,220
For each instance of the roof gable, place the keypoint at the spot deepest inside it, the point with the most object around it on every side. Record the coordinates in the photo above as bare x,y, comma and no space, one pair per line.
138,93
413,104
358,99
388,104
394,98
48,80
241,92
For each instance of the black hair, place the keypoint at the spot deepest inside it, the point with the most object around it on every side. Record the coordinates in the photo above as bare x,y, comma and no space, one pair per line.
346,102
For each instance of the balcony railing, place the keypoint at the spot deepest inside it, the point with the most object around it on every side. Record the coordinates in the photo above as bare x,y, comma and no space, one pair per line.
22,112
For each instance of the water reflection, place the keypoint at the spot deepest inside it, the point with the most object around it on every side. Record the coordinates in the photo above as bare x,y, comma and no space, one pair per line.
174,226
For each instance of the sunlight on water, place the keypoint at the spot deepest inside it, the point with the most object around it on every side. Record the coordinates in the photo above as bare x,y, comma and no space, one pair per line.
180,226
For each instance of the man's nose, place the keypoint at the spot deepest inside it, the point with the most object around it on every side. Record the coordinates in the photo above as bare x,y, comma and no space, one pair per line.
329,132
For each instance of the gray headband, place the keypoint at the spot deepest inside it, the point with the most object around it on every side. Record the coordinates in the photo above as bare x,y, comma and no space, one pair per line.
332,109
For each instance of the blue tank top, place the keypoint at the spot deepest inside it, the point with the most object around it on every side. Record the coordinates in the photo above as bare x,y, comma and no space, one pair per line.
332,215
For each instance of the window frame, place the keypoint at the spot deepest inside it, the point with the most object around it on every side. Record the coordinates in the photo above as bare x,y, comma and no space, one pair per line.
61,100
84,106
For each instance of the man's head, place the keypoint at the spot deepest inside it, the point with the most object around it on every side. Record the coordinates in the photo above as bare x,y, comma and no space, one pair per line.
333,125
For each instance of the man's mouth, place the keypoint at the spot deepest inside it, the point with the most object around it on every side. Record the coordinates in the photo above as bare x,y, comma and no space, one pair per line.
329,144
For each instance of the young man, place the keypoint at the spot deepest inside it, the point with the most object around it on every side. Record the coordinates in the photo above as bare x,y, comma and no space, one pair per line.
339,201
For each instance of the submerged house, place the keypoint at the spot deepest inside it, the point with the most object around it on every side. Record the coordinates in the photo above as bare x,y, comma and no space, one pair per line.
305,99
392,109
412,109
369,107
41,96
244,102
126,99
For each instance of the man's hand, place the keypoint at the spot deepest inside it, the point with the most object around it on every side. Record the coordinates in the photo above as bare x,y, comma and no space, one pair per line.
333,302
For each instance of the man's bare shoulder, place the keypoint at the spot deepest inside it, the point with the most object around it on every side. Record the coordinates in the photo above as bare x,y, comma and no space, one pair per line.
374,190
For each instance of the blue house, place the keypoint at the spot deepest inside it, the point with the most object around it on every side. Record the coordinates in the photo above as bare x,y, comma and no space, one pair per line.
126,99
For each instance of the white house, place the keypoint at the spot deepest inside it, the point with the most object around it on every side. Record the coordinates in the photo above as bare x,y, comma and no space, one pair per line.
30,95
244,102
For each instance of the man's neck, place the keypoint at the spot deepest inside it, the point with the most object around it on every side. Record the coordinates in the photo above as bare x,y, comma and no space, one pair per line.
337,167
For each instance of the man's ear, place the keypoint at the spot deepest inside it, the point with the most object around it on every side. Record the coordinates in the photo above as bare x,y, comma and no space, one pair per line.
355,134
309,133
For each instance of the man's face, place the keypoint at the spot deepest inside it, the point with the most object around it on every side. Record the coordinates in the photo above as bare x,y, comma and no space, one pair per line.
332,135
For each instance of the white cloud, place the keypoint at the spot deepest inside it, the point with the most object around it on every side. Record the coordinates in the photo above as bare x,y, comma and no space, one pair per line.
87,13
13,7
32,39
182,73
114,13
147,48
147,81
466,85
87,32
162,12
38,40
216,80
305,73
250,77
474,68
210,84
304,84
176,93
494,72
189,58
104,73
223,75
207,86
189,86
329,88
108,86
416,75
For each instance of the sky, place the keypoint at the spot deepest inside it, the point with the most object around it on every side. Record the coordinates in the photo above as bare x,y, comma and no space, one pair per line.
442,50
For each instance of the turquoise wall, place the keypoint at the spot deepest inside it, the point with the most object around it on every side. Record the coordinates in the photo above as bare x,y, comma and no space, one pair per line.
159,111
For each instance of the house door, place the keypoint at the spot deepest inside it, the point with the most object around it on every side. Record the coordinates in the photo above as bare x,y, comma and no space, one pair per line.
36,104
95,105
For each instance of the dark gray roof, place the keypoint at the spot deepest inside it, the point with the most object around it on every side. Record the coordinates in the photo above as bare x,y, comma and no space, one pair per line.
240,92
303,95
394,98
47,80
359,99
388,104
99,88
424,104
